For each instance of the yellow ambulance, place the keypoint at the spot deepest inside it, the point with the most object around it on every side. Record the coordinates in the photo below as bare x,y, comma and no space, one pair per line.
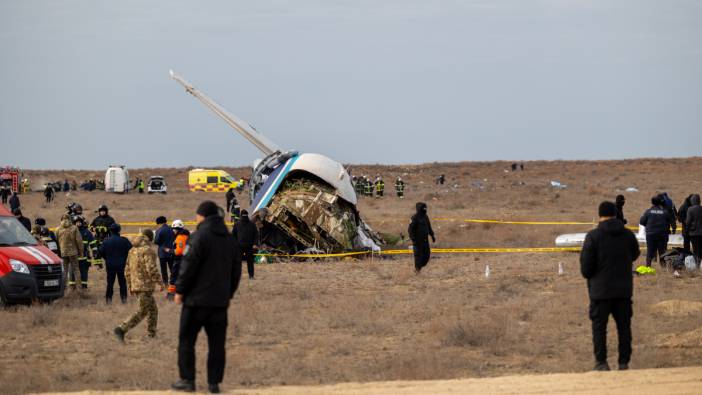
209,180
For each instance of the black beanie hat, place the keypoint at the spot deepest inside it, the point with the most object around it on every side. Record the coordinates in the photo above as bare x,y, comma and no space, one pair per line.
620,199
656,200
207,208
607,209
161,220
244,214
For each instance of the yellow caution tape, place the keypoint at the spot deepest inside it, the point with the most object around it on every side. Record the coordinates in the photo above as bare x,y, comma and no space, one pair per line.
433,250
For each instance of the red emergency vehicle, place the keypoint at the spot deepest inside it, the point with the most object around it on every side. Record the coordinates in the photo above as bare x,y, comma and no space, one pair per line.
28,271
10,176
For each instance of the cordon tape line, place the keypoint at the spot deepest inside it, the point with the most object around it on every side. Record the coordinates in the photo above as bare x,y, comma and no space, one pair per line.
441,219
433,250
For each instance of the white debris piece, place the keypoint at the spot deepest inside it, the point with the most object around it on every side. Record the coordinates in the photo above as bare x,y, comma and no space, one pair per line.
558,185
631,189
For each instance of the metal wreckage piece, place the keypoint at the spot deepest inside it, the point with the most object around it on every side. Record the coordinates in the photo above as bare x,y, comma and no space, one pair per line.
308,198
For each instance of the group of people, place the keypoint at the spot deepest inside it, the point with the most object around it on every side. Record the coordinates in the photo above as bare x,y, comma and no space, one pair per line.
367,188
661,220
607,259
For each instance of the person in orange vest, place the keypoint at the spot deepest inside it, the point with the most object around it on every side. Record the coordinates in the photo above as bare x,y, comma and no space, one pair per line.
180,245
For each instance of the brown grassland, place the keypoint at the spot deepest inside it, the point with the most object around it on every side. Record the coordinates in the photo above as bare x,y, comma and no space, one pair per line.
373,319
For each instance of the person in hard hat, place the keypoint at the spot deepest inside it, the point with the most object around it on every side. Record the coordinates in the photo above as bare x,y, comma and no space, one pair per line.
379,187
182,236
89,249
619,201
606,261
368,187
164,239
115,249
400,188
141,272
657,221
419,231
100,226
246,235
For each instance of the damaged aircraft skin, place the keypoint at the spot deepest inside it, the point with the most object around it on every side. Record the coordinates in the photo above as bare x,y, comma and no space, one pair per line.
308,198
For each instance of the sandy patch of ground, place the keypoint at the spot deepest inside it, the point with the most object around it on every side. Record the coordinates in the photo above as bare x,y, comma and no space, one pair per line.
641,382
677,307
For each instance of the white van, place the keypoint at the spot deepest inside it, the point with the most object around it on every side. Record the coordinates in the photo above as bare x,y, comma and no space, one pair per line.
117,179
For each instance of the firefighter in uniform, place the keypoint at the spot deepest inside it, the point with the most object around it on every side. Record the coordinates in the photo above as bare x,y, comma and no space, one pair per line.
45,236
400,188
368,187
89,250
379,187
358,186
100,226
182,236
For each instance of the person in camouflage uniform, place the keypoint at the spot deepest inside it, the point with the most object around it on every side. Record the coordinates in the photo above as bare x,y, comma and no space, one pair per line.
142,278
71,247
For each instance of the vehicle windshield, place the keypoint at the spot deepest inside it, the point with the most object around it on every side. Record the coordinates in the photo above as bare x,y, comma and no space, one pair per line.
13,233
227,179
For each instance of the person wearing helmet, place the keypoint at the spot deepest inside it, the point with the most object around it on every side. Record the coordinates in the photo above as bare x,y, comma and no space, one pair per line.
180,245
400,188
164,239
45,236
89,249
115,249
100,229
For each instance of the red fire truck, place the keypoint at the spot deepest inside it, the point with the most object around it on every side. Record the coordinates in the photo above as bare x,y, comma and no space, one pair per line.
10,177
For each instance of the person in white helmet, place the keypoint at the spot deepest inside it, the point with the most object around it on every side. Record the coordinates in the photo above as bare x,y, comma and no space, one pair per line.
180,246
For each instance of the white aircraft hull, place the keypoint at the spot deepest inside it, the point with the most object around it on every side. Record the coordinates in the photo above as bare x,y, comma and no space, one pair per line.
577,239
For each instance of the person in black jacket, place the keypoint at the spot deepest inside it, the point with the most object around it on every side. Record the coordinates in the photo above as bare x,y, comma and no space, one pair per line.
22,219
246,235
164,239
693,225
606,261
682,215
208,279
657,221
14,201
619,202
115,249
419,231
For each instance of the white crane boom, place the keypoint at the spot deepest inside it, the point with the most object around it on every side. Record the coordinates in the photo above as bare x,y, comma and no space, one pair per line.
260,141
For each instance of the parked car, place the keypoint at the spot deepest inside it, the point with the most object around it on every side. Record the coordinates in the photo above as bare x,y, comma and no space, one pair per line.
157,184
28,271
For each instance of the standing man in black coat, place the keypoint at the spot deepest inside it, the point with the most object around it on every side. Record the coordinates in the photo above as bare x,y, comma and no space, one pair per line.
419,231
693,225
246,235
14,201
682,216
619,202
209,276
606,261
657,221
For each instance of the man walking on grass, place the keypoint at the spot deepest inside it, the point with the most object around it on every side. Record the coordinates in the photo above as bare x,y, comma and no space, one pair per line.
209,276
142,278
606,262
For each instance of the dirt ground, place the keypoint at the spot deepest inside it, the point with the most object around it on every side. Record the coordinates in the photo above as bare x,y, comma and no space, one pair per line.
659,381
374,320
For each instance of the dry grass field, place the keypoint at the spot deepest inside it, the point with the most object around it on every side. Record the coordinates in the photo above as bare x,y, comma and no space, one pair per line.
374,320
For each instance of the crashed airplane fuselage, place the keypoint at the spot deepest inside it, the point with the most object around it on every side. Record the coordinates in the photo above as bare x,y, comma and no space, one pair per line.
307,198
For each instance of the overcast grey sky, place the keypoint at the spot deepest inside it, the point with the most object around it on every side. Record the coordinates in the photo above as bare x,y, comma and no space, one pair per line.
85,83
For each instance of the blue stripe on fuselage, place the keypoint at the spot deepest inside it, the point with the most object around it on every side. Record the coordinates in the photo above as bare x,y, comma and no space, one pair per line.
270,187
